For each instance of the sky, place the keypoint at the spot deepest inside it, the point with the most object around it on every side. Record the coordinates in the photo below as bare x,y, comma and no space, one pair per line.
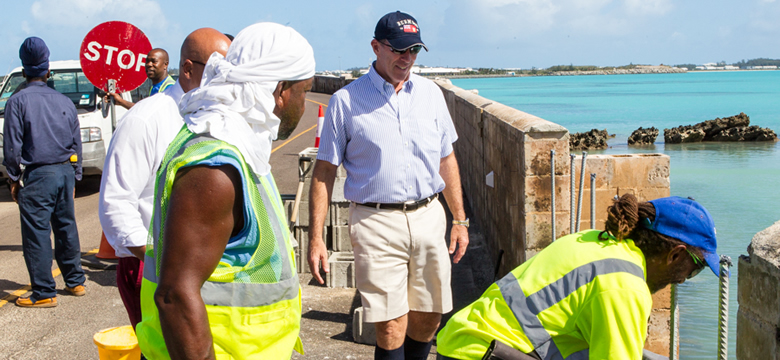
458,33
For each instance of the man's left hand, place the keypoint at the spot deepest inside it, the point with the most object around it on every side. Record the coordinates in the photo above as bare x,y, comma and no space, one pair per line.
15,191
459,235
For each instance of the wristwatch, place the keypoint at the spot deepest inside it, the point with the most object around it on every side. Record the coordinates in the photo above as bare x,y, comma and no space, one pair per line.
461,222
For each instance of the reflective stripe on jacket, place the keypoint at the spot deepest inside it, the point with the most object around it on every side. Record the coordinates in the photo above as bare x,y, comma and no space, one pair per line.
579,298
253,296
165,84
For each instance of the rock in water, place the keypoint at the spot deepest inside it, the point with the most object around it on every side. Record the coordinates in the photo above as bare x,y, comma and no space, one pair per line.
643,136
683,134
732,128
745,133
594,139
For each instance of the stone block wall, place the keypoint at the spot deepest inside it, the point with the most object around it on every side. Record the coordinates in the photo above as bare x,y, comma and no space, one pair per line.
515,213
328,84
758,318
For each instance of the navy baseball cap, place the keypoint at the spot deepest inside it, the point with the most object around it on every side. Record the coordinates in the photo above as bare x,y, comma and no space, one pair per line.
400,30
687,221
35,56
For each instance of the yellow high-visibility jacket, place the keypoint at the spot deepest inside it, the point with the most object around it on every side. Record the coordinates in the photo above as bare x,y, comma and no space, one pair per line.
253,297
580,298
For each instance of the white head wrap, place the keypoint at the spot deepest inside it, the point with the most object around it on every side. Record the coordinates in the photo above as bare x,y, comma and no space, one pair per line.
235,100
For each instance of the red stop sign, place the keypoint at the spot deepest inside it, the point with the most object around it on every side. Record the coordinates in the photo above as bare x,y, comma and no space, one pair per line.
115,50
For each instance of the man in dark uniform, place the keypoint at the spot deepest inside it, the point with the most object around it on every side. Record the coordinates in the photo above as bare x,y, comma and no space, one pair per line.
42,133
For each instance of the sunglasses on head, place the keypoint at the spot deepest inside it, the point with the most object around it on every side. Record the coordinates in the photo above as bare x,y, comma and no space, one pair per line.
698,262
414,50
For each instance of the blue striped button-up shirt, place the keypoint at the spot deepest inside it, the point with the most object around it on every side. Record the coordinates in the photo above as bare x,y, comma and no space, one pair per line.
390,143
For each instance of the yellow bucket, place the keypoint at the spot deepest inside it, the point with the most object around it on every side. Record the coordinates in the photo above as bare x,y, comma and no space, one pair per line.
117,343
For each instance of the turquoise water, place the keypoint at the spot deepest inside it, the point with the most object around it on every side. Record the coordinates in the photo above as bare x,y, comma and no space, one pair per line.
737,182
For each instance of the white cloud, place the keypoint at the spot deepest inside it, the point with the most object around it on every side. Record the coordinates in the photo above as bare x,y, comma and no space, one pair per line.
648,7
146,14
26,27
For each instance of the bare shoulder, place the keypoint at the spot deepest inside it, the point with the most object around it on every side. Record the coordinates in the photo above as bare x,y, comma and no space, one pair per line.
209,189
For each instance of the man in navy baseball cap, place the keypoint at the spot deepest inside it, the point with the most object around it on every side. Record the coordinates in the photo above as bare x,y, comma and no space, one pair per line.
400,30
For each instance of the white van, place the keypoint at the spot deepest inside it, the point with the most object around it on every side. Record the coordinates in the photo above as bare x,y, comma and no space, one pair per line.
96,128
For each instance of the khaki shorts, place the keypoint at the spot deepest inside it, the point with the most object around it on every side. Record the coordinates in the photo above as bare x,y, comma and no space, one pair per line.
401,260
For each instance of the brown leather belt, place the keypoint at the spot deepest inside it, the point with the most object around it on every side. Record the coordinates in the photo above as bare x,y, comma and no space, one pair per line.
406,206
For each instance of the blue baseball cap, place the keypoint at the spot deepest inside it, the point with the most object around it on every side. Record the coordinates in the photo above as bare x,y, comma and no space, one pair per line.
687,221
400,30
35,56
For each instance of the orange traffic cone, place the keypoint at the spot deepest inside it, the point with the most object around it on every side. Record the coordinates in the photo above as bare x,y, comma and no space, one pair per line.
105,251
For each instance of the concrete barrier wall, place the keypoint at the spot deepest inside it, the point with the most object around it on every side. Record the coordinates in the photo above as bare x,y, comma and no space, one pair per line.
515,214
758,318
328,84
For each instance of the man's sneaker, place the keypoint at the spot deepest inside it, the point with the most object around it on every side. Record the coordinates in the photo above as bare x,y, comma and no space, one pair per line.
78,290
42,303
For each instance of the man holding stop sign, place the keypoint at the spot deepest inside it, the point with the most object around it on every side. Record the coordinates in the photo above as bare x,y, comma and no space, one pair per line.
156,70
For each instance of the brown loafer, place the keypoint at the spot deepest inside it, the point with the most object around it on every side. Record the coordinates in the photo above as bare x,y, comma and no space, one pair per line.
78,290
42,303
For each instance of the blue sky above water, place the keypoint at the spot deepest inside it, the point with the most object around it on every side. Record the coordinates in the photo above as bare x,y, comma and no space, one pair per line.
469,33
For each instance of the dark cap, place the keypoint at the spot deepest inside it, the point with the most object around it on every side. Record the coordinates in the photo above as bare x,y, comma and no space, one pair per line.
687,221
35,57
400,30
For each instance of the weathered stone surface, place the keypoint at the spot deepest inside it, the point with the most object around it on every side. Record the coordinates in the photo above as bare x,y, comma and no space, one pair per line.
362,332
342,270
643,136
658,325
745,133
593,139
683,134
759,288
755,338
766,244
758,319
732,128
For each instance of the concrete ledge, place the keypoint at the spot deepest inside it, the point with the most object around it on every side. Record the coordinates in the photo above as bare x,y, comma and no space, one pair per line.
342,270
362,332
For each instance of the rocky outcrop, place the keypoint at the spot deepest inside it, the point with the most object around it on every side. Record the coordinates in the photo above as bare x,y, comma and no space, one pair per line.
643,136
594,139
746,133
732,128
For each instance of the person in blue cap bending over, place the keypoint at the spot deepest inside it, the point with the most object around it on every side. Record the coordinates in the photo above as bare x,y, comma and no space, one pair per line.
42,133
588,295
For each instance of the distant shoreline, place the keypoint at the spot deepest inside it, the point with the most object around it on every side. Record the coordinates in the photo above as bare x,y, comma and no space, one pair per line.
596,72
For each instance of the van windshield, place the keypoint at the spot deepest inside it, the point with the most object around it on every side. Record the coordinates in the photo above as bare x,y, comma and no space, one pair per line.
71,83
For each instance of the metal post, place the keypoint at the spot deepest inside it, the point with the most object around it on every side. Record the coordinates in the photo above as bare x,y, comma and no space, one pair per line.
572,208
112,89
723,308
552,193
592,200
582,184
674,325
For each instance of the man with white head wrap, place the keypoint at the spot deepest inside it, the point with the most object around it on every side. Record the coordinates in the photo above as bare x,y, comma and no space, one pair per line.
223,279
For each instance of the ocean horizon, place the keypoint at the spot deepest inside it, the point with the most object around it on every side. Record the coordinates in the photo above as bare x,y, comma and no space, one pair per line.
736,182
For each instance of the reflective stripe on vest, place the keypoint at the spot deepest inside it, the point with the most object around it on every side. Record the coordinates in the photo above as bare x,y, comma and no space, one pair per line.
526,309
166,83
230,293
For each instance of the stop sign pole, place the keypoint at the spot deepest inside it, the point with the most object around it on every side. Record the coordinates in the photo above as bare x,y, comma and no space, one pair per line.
112,56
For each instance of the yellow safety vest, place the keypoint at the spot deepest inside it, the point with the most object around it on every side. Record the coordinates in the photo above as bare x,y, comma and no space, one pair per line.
580,298
165,84
253,297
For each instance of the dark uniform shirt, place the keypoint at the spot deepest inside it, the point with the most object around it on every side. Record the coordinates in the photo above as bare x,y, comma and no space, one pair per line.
41,127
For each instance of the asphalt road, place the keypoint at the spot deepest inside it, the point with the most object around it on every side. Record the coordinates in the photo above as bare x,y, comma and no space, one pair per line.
65,331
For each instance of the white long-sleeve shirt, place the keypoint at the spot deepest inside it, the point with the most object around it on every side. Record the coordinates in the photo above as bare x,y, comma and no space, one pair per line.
133,157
